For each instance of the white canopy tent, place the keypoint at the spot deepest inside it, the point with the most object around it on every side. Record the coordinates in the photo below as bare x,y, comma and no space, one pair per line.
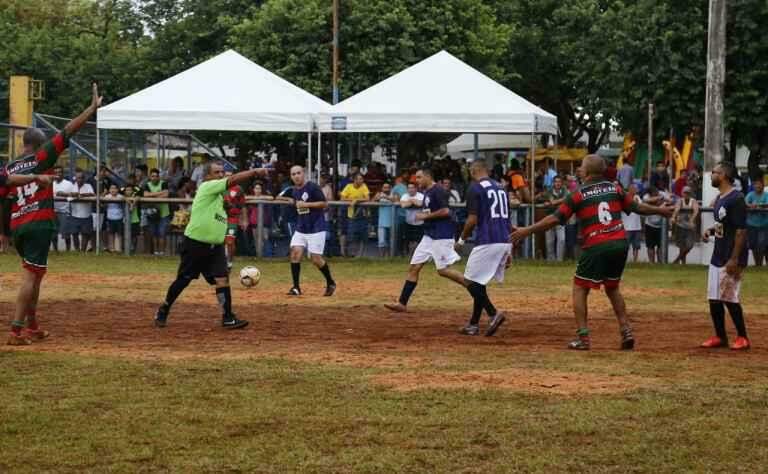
225,93
439,94
464,145
228,92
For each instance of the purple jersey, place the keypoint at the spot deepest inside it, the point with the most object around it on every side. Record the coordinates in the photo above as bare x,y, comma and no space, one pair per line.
490,204
730,216
310,221
436,198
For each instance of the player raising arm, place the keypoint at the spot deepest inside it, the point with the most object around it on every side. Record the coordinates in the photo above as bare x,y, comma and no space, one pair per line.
598,204
33,220
203,247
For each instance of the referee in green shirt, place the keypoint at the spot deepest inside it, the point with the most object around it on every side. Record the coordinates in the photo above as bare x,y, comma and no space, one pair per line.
203,247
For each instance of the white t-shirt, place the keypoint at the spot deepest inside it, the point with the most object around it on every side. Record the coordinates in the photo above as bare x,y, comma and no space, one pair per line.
410,212
197,175
63,187
632,221
655,220
82,210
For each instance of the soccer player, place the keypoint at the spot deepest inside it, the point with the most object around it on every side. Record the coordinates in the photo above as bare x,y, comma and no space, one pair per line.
310,205
728,259
437,243
488,210
33,220
203,247
234,202
598,204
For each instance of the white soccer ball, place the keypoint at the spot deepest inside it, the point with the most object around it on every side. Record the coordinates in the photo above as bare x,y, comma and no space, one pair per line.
250,276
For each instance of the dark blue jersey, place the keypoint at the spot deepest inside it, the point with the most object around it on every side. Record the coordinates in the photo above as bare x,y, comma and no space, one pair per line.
436,198
310,221
730,216
490,204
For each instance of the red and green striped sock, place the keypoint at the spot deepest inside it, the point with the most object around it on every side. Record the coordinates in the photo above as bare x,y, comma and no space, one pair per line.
16,327
32,322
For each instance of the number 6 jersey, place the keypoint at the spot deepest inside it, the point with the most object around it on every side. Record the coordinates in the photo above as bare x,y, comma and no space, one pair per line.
490,204
598,206
32,204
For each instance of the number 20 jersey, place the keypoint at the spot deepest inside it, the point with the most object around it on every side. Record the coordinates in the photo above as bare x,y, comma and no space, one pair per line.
490,204
32,204
598,206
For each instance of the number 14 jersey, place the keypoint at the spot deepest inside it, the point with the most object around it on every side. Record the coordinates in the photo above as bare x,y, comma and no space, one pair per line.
598,206
490,204
32,204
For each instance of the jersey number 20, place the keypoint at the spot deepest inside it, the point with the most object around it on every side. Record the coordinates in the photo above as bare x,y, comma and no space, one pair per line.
500,205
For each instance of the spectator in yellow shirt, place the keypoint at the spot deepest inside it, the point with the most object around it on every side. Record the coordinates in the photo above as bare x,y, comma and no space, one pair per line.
356,192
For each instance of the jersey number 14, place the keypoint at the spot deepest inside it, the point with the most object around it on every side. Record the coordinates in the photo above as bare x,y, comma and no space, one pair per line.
500,204
28,190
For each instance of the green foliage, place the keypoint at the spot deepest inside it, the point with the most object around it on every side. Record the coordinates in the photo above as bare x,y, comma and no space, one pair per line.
590,62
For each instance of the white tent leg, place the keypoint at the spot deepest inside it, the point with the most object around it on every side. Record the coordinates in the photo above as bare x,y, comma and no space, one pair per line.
319,147
98,191
533,189
309,155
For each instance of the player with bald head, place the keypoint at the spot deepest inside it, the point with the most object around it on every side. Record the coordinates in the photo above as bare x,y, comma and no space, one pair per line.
310,203
488,215
598,204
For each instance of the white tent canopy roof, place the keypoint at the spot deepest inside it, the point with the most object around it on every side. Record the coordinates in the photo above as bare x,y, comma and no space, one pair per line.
227,92
438,94
487,142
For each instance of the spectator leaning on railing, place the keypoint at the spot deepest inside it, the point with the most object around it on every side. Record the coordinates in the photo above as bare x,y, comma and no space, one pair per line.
355,193
385,198
81,218
62,188
115,226
757,222
684,223
158,215
412,202
555,237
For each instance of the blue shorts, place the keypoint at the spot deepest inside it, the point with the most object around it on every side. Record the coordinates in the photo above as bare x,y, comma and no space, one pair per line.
358,229
158,228
635,238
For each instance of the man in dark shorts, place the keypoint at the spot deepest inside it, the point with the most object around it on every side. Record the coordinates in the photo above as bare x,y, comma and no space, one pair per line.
203,247
598,204
33,218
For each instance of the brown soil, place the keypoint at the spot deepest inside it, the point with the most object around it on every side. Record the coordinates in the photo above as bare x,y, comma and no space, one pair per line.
357,335
530,380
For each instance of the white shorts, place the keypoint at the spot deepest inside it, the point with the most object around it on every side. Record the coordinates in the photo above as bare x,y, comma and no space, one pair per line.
487,262
314,242
722,286
441,251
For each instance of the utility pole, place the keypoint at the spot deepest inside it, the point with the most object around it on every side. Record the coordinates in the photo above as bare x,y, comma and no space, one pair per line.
713,117
335,52
650,140
335,98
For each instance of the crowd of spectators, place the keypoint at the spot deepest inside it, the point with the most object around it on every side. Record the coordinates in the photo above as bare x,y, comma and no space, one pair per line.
355,229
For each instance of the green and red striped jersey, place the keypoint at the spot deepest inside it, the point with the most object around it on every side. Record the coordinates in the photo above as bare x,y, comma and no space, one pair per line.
32,204
598,206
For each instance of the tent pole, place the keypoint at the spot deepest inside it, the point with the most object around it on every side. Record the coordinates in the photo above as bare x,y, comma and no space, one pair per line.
533,190
98,190
319,148
309,154
476,149
557,154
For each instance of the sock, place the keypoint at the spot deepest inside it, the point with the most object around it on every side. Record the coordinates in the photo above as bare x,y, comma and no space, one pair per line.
583,333
295,272
16,327
717,310
224,295
477,307
175,290
32,322
327,274
489,308
737,315
405,295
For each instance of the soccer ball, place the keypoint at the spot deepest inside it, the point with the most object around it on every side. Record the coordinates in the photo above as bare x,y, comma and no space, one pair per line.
250,276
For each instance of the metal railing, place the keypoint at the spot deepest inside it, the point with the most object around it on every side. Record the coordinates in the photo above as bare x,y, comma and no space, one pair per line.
276,223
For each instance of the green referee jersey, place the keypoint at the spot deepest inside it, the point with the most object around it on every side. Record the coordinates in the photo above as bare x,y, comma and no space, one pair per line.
208,220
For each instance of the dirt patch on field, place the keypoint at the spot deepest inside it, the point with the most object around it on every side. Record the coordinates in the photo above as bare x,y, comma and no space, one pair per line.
530,381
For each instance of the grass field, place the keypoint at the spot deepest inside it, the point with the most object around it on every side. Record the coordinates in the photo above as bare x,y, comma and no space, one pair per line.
336,385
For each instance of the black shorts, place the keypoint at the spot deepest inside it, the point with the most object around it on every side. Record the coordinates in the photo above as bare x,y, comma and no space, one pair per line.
201,258
652,237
